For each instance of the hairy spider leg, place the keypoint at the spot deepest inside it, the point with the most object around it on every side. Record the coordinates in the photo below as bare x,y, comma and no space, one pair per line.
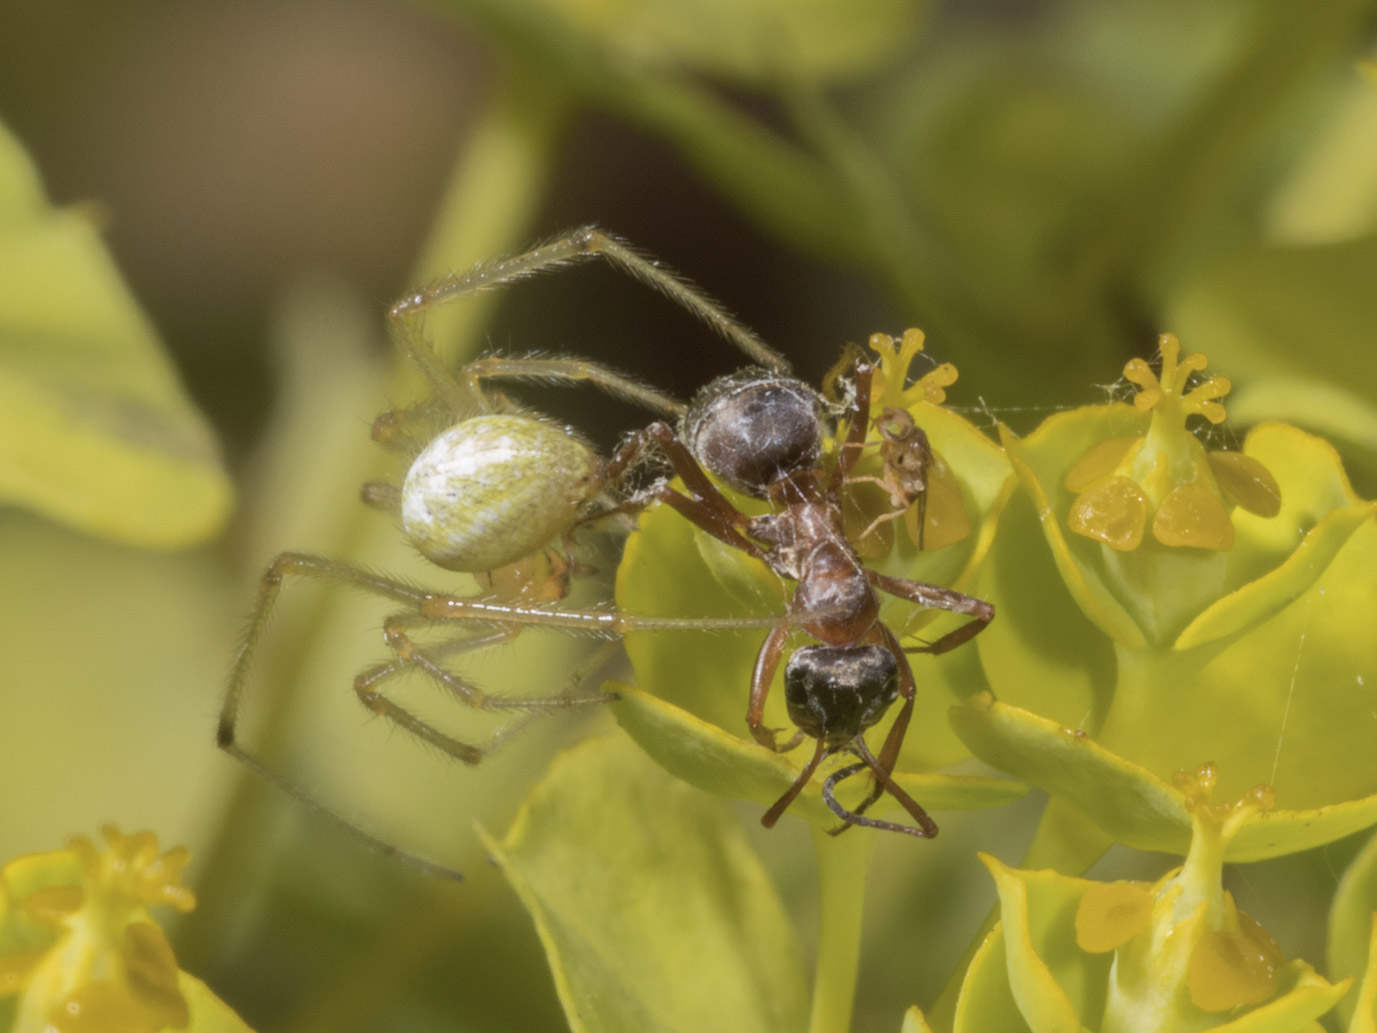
582,244
499,621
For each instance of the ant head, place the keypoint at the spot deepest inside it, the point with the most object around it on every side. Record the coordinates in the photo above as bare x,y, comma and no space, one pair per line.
754,427
835,693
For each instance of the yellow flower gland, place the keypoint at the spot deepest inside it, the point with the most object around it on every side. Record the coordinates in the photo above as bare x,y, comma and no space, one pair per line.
1112,913
1165,479
108,966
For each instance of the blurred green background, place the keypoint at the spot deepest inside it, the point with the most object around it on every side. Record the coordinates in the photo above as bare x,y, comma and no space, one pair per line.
1041,186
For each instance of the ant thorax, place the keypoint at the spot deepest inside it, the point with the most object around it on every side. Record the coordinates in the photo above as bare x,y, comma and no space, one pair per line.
808,546
493,489
754,427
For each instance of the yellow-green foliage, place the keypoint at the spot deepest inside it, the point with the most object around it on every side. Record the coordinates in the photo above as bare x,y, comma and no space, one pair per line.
1156,770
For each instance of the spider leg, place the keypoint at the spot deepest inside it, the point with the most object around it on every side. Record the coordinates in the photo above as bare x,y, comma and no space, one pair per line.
427,659
366,687
938,599
311,803
605,622
296,564
582,244
547,369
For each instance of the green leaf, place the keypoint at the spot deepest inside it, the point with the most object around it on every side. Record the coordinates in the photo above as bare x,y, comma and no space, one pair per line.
709,758
986,1002
1054,982
1041,462
914,1022
1129,802
1352,926
654,911
96,430
209,1014
1331,195
746,40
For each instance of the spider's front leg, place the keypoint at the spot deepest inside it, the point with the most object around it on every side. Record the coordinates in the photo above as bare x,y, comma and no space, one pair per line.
582,244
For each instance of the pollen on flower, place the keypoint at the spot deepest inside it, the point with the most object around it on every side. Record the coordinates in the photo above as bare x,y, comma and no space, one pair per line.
1172,384
1198,788
1179,491
132,868
895,367
107,966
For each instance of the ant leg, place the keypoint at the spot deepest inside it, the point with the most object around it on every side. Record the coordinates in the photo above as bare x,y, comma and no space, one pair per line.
582,244
926,829
766,663
938,599
705,505
894,741
777,810
858,425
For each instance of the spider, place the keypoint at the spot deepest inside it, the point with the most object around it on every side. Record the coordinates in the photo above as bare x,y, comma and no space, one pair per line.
493,491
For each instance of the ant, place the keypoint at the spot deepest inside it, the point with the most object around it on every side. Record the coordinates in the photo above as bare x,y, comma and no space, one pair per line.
500,492
762,433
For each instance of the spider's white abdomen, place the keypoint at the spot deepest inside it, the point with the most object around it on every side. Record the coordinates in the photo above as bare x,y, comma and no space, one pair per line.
493,489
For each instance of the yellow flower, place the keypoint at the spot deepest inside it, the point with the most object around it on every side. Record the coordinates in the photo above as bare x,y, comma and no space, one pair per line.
77,945
1166,473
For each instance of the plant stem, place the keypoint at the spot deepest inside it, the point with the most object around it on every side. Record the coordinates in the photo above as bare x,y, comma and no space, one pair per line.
843,863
